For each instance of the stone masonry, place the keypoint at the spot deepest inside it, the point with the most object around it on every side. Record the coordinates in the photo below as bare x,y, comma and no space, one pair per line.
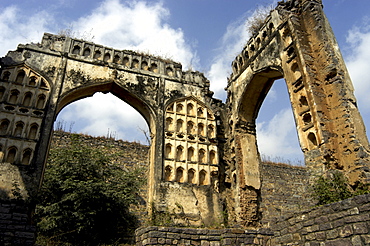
203,159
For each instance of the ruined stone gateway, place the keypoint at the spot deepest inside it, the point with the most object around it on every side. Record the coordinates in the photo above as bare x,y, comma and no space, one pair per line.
204,160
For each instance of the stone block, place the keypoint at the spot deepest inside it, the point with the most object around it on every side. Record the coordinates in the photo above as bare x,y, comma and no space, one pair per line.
173,235
320,235
365,207
185,236
338,223
325,226
360,228
202,231
310,237
161,241
339,242
331,234
204,243
366,239
288,238
214,243
321,219
357,241
346,231
357,218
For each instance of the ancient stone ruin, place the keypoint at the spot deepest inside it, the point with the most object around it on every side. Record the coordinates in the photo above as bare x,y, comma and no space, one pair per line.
203,159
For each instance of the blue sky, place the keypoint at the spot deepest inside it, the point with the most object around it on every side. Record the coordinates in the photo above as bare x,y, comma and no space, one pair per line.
204,35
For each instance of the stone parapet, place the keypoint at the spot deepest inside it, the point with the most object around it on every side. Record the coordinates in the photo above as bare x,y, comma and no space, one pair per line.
343,223
154,235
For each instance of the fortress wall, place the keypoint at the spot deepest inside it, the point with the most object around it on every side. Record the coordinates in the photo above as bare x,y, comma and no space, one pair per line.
284,190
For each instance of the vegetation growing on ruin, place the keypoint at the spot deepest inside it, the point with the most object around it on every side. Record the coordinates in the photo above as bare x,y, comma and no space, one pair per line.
335,187
255,22
85,197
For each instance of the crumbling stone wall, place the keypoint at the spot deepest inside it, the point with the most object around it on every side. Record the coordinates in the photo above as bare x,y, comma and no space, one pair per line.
343,223
284,190
295,43
173,236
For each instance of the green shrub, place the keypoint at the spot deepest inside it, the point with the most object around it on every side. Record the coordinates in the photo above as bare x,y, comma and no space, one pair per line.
332,188
85,197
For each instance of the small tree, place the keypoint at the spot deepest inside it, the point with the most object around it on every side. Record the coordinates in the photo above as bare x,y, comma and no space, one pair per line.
85,197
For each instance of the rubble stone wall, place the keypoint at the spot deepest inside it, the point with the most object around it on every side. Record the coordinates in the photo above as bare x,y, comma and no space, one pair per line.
284,190
15,227
154,235
343,223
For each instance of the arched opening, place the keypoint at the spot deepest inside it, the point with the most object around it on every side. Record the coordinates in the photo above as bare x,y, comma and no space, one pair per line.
179,125
32,81
169,124
106,57
168,151
116,59
266,109
27,99
179,108
179,153
108,117
20,77
13,98
18,129
200,112
43,84
41,101
4,127
87,52
190,128
11,155
203,177
180,175
6,76
144,65
190,109
191,154
201,129
202,156
191,176
211,131
97,54
33,131
76,50
154,68
212,157
168,173
26,157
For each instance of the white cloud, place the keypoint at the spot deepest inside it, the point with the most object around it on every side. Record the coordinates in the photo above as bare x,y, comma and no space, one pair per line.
20,27
137,26
232,43
277,137
358,63
105,113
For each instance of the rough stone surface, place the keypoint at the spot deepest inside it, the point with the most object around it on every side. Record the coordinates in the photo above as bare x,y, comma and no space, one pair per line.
204,165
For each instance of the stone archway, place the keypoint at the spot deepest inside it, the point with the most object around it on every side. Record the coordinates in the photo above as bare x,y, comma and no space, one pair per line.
295,43
37,81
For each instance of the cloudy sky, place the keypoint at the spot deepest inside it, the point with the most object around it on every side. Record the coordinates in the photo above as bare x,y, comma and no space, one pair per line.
204,35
